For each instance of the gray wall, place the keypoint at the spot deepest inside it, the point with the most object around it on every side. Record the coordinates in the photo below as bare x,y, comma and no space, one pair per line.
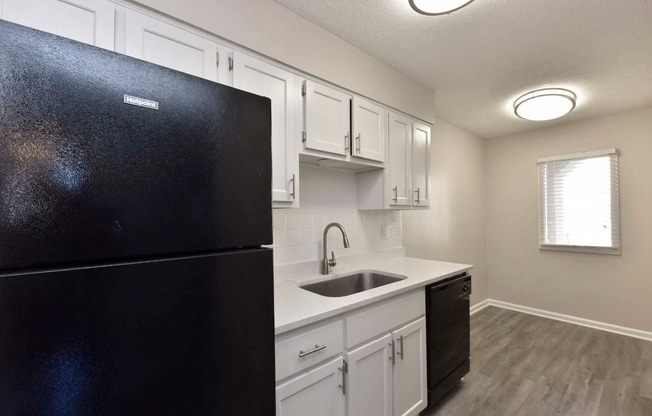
611,289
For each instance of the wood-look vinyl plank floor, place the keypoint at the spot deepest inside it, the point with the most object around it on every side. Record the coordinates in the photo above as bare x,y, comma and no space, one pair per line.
525,365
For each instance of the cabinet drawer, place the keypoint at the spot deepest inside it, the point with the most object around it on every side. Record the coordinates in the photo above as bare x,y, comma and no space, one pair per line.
372,322
308,348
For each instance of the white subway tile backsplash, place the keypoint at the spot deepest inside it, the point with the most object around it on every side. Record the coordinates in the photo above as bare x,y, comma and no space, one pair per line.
306,237
298,234
293,221
350,221
280,222
306,221
293,238
280,238
330,196
318,221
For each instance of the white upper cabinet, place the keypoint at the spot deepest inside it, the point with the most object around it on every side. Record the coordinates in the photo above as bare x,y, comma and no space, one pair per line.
283,88
88,21
327,113
167,45
410,378
315,393
368,130
399,160
405,181
370,379
420,165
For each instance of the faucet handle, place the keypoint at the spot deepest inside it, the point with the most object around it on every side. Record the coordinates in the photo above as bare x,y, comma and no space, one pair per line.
332,262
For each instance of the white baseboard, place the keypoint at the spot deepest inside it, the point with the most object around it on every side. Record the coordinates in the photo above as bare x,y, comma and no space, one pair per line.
480,306
630,332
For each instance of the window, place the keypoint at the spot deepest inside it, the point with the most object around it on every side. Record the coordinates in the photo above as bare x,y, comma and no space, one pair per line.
578,202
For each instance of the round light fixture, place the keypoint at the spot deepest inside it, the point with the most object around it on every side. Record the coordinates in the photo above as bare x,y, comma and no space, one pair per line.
545,104
437,7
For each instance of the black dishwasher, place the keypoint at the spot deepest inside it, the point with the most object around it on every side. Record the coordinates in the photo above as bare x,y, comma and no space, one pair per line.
448,334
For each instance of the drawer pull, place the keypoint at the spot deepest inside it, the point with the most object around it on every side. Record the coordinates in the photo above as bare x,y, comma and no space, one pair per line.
312,351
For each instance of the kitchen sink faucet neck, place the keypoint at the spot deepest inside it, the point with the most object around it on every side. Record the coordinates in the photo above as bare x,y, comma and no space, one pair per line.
326,262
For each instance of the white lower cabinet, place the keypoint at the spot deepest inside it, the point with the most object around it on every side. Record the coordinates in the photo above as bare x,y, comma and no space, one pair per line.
318,392
387,377
370,378
379,367
410,375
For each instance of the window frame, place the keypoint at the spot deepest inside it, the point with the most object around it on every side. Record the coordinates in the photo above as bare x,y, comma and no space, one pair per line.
615,249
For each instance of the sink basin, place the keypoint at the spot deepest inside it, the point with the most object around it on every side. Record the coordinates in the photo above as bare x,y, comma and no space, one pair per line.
349,284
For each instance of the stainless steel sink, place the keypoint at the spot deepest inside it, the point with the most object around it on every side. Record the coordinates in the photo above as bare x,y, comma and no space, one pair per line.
349,284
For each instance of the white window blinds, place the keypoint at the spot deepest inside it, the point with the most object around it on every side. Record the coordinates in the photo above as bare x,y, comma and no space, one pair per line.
579,202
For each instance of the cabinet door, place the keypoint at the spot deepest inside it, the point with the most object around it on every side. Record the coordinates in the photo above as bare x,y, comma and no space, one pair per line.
410,383
368,130
399,161
261,78
315,393
420,165
327,118
88,21
370,379
163,44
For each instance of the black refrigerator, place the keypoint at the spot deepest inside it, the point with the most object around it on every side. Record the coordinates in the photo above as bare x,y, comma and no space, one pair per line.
134,201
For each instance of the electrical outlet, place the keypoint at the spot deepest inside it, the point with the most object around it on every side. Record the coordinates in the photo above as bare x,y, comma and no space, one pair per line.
383,232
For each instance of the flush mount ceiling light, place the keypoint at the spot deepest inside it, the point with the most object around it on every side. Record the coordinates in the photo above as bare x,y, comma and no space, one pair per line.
437,7
545,104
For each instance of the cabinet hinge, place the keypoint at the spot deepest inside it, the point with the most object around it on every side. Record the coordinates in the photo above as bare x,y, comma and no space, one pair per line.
217,59
303,89
303,137
230,64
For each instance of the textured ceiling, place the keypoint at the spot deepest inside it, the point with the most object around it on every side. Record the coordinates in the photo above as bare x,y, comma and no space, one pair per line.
482,57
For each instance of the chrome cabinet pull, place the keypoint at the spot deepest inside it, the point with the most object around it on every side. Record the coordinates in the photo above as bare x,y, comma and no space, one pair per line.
393,356
418,192
347,146
400,341
294,186
312,351
357,144
344,369
395,189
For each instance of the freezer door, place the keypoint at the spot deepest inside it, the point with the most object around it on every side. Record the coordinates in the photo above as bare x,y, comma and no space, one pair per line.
103,156
188,336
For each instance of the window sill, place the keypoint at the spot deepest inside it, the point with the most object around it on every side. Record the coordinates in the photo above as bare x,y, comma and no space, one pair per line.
581,249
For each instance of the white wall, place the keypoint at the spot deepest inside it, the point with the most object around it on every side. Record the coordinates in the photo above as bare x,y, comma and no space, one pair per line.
330,196
454,229
272,30
611,289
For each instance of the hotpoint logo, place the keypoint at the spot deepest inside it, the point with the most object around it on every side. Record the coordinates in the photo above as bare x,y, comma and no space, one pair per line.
140,102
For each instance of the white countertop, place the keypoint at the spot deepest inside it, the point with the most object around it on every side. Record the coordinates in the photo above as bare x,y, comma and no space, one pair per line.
295,307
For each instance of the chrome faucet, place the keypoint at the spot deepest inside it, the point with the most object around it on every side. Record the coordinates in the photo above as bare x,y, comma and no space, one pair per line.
328,263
